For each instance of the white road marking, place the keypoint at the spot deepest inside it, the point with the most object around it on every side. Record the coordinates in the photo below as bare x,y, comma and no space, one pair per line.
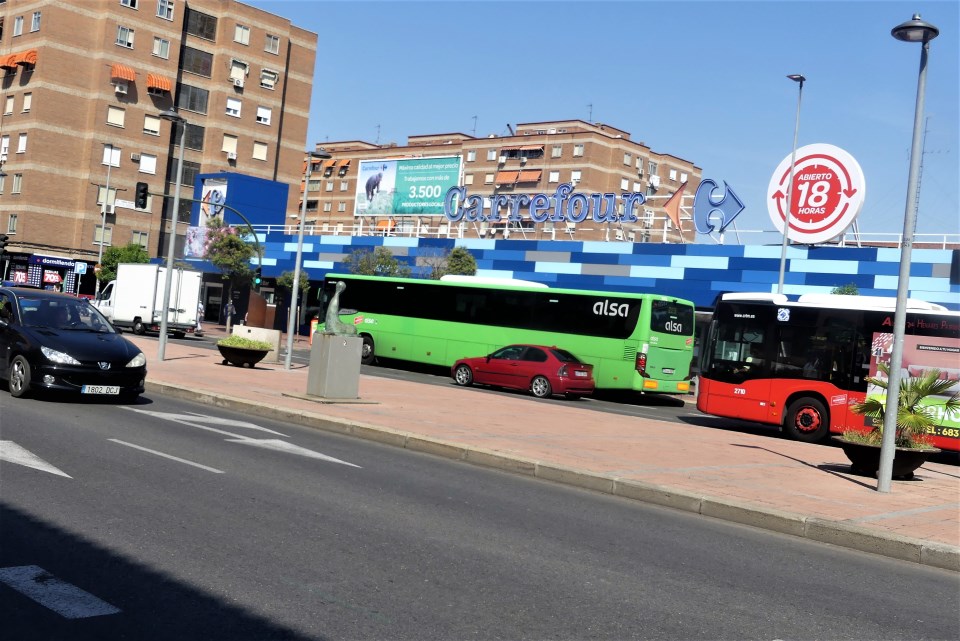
283,446
65,599
13,453
192,420
172,458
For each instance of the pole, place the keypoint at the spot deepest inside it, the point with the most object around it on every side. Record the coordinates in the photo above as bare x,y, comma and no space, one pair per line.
887,448
793,159
292,325
162,342
103,225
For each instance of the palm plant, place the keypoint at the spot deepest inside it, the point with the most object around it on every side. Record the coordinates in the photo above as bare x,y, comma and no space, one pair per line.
916,413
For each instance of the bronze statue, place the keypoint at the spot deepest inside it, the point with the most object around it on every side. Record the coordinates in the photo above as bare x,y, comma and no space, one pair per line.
332,324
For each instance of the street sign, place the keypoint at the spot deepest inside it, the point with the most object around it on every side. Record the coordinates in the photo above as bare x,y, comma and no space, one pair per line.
79,268
828,193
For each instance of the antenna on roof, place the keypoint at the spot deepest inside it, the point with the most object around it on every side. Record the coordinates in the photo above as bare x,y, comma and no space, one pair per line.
590,112
510,129
474,126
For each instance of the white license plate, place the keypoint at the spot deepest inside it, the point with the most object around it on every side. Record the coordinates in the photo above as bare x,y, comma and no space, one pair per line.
100,389
580,373
668,370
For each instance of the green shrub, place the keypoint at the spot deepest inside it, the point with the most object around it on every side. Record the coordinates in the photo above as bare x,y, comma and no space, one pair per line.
244,343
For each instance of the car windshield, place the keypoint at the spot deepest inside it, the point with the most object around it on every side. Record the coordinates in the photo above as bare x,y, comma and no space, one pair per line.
63,313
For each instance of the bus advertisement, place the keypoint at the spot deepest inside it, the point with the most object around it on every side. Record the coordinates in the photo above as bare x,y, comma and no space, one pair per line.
802,364
641,342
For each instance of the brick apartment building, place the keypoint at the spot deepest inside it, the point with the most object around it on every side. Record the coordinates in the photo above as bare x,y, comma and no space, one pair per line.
535,158
84,84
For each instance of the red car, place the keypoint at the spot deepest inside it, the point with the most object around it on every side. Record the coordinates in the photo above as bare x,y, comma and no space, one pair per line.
542,370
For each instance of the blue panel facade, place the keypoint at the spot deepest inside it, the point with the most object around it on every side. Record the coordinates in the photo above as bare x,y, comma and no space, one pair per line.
262,202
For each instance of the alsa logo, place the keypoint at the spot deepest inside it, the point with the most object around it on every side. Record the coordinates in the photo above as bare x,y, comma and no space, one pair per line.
606,308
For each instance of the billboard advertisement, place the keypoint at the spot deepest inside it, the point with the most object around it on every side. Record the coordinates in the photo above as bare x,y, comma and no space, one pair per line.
406,187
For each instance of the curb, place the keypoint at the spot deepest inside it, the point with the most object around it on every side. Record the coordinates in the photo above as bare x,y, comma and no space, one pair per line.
929,553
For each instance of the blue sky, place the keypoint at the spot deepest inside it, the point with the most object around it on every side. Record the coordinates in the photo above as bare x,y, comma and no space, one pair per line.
705,81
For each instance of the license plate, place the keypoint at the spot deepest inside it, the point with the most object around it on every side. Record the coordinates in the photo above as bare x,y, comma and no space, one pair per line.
668,370
580,373
100,389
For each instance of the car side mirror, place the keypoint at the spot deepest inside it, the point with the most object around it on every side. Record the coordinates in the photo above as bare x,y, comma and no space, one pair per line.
116,329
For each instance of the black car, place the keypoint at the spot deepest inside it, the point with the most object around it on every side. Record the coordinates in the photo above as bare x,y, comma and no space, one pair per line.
57,342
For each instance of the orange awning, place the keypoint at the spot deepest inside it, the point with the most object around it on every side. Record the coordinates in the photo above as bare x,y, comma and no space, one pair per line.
384,224
156,81
28,57
10,62
122,72
531,147
504,177
529,176
327,164
344,163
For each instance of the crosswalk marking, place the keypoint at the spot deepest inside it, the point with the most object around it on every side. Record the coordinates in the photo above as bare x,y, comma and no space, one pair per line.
64,598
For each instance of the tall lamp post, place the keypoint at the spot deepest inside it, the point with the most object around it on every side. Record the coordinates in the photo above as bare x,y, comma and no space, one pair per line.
796,77
103,219
915,30
292,320
175,118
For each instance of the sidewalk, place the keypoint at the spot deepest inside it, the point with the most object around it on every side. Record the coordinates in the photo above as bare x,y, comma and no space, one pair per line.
781,485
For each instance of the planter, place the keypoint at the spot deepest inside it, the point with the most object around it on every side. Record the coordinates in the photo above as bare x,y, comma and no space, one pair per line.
242,356
865,459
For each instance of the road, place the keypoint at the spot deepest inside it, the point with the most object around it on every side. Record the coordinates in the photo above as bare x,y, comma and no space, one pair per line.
171,520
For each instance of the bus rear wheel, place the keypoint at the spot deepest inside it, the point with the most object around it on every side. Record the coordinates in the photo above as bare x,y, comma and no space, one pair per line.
807,420
367,353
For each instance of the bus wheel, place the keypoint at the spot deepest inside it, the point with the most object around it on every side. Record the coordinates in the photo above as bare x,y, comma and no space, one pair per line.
807,420
367,355
540,387
463,375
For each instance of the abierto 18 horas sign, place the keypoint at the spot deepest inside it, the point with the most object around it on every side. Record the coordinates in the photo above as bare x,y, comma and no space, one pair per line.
828,192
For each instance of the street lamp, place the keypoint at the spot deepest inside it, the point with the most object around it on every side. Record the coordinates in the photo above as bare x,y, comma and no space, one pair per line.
175,118
291,321
914,30
103,218
796,77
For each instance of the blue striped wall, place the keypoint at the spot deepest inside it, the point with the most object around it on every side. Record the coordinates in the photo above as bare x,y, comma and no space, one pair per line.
695,272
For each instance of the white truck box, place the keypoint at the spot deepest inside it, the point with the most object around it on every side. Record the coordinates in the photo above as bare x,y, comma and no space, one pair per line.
135,299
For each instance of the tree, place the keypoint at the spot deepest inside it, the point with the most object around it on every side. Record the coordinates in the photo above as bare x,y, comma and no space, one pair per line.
379,262
113,256
434,262
285,281
230,253
462,262
850,289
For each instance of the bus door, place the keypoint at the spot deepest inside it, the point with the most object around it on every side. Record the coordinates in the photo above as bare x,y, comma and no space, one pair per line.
737,367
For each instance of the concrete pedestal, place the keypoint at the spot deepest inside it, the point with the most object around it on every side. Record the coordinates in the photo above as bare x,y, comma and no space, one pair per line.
335,366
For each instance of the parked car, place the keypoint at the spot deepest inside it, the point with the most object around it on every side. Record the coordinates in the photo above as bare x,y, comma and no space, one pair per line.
57,342
543,371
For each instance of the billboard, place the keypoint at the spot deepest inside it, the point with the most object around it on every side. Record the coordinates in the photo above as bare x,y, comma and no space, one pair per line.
405,187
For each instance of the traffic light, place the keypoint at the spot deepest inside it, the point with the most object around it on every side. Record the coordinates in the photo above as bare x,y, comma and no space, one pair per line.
3,243
257,277
140,200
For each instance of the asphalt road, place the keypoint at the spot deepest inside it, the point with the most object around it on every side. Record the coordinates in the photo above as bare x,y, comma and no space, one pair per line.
181,521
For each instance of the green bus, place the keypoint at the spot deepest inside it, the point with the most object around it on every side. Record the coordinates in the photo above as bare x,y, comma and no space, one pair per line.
641,342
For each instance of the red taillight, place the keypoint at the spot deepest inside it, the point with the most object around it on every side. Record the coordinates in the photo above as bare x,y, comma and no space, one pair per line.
562,371
641,364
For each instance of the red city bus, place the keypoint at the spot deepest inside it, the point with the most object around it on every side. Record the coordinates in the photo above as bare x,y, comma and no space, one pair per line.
802,364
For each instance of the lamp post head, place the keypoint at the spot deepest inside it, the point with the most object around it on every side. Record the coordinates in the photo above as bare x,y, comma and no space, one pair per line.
915,30
172,115
797,77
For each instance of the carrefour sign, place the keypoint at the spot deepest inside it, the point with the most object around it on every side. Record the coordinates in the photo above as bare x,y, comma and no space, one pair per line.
562,205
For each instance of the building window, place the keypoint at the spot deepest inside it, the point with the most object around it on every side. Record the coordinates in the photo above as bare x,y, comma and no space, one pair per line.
624,184
233,107
651,168
272,44
148,164
151,125
554,177
194,137
343,185
637,187
102,235
35,23
201,25
241,34
111,196
165,9
18,25
4,147
556,151
3,183
198,62
468,179
192,98
578,150
263,115
329,186
12,224
129,3
673,174
115,116
488,179
491,154
683,177
259,151
472,155
327,206
111,155
238,71
190,172
161,47
8,106
125,37
27,102
17,184
269,78
575,176
341,206
314,184
229,144
627,159
139,238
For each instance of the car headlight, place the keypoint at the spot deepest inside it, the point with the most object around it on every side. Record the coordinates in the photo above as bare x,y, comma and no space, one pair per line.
59,357
138,361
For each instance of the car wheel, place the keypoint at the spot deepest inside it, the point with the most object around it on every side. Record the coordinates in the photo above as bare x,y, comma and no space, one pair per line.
19,377
138,328
463,375
540,387
179,335
807,420
367,353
